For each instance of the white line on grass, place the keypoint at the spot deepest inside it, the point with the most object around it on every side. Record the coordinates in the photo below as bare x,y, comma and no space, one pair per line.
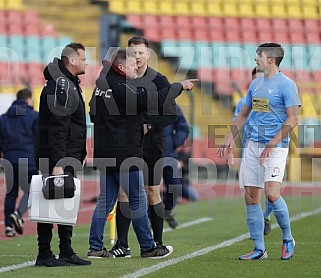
184,225
16,266
189,224
147,270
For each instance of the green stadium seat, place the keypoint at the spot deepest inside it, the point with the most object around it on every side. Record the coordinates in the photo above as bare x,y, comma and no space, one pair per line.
287,59
188,56
204,55
170,48
33,57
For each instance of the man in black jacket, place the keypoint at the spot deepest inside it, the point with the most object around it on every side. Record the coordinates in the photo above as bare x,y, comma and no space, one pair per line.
117,110
153,149
61,141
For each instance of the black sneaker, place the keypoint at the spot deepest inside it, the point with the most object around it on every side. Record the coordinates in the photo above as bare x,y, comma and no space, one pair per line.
267,226
10,232
51,261
99,254
120,251
17,222
74,260
169,217
158,252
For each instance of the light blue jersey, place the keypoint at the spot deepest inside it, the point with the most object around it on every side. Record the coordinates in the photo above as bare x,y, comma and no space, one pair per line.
269,98
237,110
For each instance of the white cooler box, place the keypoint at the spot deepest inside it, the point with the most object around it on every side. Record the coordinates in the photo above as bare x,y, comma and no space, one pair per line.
59,211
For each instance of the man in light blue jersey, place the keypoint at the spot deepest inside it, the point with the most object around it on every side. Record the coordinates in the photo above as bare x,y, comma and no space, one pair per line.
268,208
274,102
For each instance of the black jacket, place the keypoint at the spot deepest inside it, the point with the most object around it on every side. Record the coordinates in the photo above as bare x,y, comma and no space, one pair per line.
117,110
62,121
18,132
159,119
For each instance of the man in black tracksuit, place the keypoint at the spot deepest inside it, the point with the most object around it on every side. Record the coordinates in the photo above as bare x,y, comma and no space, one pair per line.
153,149
117,110
61,141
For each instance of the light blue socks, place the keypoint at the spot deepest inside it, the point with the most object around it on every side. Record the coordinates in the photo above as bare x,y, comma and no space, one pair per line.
268,209
255,222
281,212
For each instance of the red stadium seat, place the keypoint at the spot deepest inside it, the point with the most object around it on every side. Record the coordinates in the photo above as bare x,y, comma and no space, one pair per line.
297,37
316,75
215,22
167,21
263,24
14,17
303,76
48,30
233,35
265,35
30,17
199,22
281,36
168,33
231,22
183,22
153,34
201,35
217,34
185,34
288,73
205,74
15,29
247,22
279,25
295,25
32,29
312,37
150,21
249,37
135,20
311,25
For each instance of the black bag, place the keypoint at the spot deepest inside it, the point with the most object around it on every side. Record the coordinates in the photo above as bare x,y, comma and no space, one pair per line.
58,187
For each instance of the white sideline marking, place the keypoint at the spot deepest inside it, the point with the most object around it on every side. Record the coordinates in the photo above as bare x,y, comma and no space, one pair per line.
188,224
147,270
16,266
181,226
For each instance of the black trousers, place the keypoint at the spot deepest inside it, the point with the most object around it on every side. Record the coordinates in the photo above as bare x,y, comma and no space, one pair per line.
44,239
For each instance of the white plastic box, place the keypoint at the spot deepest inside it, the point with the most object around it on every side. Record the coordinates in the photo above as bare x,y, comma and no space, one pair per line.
59,211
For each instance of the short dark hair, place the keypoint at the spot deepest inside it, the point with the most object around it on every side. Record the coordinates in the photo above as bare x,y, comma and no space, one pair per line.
120,55
138,40
272,49
69,50
255,71
24,94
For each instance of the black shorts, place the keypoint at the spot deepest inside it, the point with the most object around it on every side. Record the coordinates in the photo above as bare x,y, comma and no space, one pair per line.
154,170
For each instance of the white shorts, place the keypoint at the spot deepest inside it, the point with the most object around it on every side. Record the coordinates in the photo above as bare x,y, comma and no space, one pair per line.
254,174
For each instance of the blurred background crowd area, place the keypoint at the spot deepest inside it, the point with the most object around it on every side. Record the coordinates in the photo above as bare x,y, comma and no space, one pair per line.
213,40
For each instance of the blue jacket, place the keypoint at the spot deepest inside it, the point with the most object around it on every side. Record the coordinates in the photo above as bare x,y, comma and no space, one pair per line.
17,133
176,134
